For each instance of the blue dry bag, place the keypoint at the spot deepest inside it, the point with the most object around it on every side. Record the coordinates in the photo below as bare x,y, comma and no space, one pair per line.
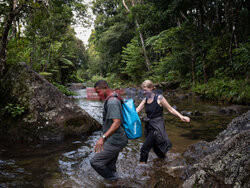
131,120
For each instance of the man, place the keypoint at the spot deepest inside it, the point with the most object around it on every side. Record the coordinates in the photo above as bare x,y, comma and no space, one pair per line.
114,139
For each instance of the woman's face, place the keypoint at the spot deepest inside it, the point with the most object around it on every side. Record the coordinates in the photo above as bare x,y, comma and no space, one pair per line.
147,90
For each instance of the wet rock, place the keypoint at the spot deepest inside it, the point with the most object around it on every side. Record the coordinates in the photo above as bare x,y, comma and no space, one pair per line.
170,94
75,86
190,94
161,179
186,113
234,109
224,162
49,114
169,172
197,113
182,97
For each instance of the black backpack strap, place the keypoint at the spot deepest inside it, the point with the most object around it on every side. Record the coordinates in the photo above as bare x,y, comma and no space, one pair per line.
112,95
105,103
156,96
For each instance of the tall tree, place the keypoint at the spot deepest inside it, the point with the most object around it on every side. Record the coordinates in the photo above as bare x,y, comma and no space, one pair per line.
9,11
147,62
48,42
112,31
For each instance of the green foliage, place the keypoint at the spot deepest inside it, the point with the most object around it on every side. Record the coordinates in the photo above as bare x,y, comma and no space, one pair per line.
45,73
175,51
47,76
217,56
236,91
112,79
75,78
95,64
67,62
48,42
241,64
15,110
132,57
64,89
189,41
81,75
95,78
113,30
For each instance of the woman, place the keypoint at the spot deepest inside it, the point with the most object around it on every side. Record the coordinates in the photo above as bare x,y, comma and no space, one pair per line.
156,136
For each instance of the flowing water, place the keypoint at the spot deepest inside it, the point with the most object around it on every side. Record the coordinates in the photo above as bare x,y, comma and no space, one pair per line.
67,164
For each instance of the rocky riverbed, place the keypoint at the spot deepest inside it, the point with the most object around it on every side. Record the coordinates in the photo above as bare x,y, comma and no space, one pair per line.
224,162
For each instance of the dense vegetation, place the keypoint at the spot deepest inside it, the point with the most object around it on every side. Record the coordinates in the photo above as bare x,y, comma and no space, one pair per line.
40,33
204,44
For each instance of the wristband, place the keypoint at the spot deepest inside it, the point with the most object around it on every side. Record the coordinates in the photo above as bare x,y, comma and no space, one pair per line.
104,137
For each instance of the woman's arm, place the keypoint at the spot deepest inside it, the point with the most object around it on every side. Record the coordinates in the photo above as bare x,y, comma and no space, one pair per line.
165,103
141,106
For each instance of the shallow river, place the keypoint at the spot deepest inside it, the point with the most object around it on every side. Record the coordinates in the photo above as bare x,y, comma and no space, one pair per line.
67,164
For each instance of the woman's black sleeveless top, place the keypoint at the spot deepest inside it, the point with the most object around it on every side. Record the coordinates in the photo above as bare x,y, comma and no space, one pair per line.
153,110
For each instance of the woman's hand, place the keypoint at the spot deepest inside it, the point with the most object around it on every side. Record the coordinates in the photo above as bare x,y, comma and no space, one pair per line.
185,119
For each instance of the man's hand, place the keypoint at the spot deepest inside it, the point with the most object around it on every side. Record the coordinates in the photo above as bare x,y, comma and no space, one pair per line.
99,145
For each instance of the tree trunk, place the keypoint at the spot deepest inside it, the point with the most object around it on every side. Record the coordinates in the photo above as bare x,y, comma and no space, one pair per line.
218,15
193,65
4,41
233,39
201,27
147,62
143,47
227,17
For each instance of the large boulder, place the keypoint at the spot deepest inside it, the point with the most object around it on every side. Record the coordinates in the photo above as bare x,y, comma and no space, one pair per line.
234,109
49,114
224,162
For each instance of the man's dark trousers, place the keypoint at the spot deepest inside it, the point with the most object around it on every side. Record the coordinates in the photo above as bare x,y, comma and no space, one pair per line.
105,162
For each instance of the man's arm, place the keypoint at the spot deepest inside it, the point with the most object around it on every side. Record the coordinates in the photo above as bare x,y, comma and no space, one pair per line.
115,125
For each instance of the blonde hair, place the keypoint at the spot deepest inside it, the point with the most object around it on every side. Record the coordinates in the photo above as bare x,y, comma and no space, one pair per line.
148,84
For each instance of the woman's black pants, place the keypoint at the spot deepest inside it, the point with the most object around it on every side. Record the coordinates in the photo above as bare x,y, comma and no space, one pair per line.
149,143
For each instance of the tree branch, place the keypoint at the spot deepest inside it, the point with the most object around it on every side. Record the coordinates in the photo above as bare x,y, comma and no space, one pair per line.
124,4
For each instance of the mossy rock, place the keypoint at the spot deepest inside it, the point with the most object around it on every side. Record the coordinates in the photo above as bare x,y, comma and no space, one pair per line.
49,111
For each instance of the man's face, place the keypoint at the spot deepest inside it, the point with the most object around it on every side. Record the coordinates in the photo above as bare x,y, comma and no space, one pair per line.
101,92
